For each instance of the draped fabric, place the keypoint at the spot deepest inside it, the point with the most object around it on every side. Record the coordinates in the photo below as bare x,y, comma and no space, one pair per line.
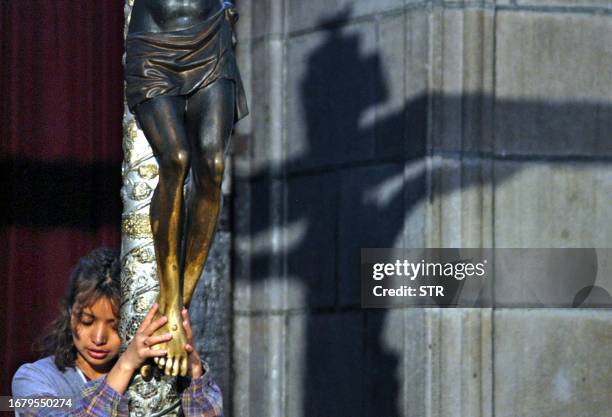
61,108
180,62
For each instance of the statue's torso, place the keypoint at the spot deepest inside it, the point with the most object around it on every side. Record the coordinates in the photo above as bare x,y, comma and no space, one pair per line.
167,15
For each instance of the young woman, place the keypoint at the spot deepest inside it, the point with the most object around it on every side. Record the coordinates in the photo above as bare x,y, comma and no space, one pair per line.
82,351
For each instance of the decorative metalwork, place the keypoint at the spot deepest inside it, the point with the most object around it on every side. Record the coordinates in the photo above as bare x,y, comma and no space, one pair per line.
136,226
148,171
141,191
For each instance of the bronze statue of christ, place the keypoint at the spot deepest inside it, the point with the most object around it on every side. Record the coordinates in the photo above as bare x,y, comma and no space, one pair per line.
183,86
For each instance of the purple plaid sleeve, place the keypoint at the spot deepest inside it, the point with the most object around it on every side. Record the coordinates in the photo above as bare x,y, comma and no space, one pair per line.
202,398
97,399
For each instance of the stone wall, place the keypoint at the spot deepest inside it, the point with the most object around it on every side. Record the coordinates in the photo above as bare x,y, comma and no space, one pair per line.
399,123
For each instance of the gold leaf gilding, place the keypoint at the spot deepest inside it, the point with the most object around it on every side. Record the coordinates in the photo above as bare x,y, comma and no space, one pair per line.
148,171
136,226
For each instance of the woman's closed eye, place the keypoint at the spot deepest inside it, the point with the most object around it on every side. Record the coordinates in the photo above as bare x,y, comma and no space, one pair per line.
86,319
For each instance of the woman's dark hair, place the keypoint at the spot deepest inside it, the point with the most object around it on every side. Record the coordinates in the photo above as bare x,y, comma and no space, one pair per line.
95,275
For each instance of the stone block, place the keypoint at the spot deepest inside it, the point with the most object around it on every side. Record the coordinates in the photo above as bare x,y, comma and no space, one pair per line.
552,205
259,18
325,359
388,116
310,239
552,363
307,15
244,27
548,205
259,356
552,84
241,366
460,212
540,277
350,98
472,3
415,204
395,362
399,117
266,105
264,286
334,78
416,84
458,381
241,241
462,77
372,215
582,4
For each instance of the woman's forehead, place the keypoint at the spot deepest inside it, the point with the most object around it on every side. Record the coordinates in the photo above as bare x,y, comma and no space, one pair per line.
101,307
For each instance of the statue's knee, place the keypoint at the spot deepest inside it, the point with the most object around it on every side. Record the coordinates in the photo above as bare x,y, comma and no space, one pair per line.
175,161
209,173
218,167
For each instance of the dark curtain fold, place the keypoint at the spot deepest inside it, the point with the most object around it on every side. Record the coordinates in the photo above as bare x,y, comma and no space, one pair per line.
61,105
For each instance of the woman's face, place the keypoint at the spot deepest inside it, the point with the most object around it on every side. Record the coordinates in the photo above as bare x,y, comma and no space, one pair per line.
95,337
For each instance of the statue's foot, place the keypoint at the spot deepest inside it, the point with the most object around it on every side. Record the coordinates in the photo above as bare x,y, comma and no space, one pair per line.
175,362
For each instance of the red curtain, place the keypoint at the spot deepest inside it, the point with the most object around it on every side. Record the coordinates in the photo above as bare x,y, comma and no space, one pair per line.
61,105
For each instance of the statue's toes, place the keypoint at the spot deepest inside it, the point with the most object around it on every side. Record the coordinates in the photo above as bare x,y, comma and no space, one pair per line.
169,363
175,366
184,367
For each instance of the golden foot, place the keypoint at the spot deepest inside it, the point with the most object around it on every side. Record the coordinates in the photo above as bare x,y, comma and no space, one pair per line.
175,362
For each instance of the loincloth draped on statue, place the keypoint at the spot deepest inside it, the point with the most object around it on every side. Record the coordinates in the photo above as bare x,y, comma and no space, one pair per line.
178,63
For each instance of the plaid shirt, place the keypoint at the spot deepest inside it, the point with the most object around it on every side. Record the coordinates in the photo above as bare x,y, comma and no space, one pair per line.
202,398
97,399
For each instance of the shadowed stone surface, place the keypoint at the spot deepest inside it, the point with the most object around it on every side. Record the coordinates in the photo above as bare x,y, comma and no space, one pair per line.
371,202
418,124
571,3
553,72
337,357
334,78
307,15
311,226
259,366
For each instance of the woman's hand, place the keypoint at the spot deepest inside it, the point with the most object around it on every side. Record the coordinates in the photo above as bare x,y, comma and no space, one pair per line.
139,349
194,363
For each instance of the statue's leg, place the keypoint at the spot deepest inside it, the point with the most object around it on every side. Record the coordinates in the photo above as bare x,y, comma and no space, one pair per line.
210,118
162,121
